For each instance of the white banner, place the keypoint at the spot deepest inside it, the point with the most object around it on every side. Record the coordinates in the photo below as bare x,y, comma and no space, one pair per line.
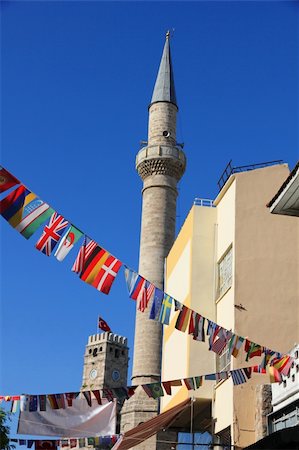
79,420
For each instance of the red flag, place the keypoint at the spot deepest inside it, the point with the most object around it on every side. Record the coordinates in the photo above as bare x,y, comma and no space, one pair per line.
97,395
45,445
103,325
104,279
7,180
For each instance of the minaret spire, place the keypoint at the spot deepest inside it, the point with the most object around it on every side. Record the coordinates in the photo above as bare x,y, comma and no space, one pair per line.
160,165
164,90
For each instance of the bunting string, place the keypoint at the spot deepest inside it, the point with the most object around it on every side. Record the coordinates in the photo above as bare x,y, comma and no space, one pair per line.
101,442
94,265
31,403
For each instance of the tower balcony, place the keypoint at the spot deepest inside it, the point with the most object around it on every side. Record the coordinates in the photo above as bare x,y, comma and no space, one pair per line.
161,160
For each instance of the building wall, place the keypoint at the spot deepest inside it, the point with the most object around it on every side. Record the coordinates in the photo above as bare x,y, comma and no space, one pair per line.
261,303
267,278
225,302
190,280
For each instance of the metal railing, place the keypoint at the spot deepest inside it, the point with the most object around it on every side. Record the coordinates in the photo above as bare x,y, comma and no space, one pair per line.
229,170
203,202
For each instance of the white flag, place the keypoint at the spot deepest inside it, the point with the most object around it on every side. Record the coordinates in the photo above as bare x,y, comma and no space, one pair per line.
78,420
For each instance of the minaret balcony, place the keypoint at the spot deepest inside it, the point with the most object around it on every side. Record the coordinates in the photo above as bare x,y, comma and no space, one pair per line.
161,160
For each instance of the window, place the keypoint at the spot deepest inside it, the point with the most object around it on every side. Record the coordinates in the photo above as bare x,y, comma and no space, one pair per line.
223,361
116,353
225,269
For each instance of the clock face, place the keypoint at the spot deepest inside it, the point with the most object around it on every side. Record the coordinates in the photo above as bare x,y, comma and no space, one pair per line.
115,375
93,374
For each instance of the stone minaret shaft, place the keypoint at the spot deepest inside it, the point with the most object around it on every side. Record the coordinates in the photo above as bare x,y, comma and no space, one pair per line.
160,165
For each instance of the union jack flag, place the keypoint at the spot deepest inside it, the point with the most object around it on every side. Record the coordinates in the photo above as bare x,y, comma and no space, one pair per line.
51,234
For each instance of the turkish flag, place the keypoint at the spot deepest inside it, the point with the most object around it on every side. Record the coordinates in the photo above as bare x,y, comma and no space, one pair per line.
45,445
103,325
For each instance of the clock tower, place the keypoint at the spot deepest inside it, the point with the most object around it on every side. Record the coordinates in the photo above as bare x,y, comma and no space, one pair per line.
105,362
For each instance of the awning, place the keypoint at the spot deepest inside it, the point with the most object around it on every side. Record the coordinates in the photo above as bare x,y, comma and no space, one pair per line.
147,429
285,439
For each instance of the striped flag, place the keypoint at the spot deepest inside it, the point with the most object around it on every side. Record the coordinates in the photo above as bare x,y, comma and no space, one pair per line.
135,283
145,295
275,375
283,364
51,234
239,376
89,262
212,331
85,249
221,340
196,326
266,358
24,211
183,318
139,288
234,345
258,369
252,349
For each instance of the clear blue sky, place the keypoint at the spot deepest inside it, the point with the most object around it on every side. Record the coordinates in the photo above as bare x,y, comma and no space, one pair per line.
77,78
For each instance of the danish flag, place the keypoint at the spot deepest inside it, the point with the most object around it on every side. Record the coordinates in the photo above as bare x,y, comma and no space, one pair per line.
104,279
51,234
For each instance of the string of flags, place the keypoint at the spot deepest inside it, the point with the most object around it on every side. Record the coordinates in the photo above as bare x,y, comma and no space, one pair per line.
94,265
32,403
101,442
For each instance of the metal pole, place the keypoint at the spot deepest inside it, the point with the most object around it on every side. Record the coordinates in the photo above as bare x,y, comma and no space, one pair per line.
191,421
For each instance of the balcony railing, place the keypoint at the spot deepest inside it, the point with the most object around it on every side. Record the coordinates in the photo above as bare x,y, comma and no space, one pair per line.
229,170
203,202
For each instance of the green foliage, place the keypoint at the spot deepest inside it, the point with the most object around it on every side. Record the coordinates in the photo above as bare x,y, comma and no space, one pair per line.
4,431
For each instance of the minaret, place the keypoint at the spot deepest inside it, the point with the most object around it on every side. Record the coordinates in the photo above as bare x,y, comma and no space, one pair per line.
160,165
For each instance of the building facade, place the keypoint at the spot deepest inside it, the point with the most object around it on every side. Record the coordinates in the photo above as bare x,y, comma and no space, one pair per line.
234,263
285,399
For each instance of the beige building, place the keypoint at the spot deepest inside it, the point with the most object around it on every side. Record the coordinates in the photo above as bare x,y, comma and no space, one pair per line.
235,264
